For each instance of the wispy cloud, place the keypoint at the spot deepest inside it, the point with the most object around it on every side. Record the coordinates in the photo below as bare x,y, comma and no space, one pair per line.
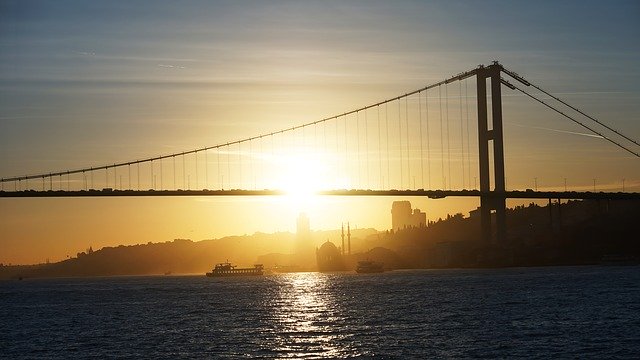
557,130
85,53
171,66
93,54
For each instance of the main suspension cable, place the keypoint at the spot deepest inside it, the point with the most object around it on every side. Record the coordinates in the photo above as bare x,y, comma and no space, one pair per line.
570,118
517,77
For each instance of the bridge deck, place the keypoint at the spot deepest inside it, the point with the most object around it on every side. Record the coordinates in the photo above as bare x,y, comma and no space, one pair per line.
433,194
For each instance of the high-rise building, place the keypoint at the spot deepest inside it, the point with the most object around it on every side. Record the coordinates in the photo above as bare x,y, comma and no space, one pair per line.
303,228
304,244
402,216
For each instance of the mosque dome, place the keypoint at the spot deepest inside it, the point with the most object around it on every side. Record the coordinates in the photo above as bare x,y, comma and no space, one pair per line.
329,258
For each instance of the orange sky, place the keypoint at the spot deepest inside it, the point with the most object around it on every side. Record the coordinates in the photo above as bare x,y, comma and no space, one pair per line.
36,229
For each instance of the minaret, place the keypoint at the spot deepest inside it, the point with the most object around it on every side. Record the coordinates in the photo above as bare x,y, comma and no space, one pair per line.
342,239
349,237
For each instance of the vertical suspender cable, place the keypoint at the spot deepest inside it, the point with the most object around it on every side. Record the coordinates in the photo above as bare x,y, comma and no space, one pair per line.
261,158
218,165
228,167
466,96
345,152
461,134
346,147
379,150
206,170
324,137
421,142
240,186
337,149
406,118
400,137
252,178
358,148
446,104
273,155
441,139
386,119
426,110
366,146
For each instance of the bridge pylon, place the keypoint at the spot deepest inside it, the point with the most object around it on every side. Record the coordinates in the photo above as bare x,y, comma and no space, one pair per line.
492,196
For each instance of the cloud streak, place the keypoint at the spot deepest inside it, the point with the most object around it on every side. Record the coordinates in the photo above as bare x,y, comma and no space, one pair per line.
95,55
557,130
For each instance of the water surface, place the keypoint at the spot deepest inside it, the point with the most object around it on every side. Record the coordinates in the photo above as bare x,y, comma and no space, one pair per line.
555,312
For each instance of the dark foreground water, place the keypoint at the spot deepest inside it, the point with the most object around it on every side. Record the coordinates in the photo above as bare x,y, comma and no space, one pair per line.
560,312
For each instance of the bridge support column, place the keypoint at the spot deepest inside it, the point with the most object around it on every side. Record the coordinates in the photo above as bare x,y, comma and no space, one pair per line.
490,133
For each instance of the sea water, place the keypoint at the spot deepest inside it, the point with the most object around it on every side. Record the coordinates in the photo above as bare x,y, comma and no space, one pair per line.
551,312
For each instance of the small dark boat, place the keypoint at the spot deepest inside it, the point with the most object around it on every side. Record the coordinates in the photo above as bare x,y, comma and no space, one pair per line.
368,266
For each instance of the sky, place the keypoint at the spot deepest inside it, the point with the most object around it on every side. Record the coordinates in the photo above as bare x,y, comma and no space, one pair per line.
91,83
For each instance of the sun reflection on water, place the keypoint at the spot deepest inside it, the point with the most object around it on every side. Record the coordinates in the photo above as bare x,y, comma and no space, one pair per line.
307,317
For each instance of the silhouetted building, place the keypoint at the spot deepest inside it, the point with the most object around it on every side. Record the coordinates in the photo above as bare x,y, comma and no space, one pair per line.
304,244
402,216
328,258
303,228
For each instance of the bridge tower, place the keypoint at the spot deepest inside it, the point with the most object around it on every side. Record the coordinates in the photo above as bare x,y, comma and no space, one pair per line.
490,134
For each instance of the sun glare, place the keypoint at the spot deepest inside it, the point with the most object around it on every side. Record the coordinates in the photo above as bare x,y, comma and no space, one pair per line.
301,177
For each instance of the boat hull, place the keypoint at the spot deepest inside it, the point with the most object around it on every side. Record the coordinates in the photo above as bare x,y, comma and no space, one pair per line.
369,271
234,274
369,267
228,270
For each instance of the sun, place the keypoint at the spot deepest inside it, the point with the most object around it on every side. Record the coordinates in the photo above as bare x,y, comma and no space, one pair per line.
302,176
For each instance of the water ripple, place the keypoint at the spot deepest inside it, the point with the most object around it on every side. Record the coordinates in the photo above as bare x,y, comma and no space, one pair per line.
568,312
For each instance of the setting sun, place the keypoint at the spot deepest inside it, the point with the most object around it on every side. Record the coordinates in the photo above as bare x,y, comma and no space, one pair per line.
301,174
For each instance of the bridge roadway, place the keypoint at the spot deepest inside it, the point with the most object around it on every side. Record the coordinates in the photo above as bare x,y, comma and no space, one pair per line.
433,194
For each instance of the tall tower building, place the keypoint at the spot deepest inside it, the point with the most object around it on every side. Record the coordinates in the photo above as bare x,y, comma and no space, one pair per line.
303,229
304,244
402,216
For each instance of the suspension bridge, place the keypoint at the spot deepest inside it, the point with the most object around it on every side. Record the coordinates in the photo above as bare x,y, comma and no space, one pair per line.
445,139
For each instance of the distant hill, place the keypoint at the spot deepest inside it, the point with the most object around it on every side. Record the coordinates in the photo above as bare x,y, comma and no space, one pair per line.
578,232
180,256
